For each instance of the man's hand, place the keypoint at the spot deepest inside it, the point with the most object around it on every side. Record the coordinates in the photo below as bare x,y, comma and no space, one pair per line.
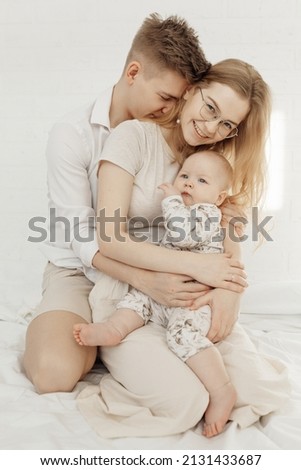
225,310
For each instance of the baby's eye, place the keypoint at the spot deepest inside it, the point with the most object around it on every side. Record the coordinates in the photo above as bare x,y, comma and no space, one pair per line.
201,180
183,176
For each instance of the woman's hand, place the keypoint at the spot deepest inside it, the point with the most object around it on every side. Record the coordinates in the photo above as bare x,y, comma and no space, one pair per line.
219,270
235,216
172,290
225,310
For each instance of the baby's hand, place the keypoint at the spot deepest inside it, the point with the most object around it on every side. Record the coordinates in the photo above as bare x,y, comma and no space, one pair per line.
169,189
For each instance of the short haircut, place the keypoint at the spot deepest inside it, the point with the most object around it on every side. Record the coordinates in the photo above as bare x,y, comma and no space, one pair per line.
169,44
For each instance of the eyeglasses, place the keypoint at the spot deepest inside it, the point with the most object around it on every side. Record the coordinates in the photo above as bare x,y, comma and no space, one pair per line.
209,113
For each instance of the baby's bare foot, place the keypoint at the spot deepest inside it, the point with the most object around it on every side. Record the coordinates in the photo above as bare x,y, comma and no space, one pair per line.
84,334
96,334
221,403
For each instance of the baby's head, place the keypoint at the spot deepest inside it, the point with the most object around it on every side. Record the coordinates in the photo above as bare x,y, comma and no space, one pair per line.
205,177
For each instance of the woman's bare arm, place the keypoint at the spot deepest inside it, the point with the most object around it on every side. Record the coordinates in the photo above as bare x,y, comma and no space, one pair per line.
114,241
173,290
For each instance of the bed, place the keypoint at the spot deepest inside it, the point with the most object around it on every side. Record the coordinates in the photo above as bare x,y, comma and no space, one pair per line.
52,421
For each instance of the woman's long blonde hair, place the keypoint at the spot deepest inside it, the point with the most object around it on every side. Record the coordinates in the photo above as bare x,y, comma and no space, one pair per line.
246,152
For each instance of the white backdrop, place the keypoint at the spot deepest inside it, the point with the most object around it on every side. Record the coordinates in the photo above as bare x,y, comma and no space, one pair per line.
56,55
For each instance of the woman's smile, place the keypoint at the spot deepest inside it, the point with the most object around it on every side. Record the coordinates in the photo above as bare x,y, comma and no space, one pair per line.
198,130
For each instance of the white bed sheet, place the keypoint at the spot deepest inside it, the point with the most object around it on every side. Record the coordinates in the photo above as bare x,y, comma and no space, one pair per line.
52,421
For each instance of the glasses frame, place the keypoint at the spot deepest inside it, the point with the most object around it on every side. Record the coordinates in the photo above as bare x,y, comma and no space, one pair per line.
235,130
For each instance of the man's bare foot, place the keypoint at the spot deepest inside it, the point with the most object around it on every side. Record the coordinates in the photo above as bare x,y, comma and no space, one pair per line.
221,403
96,334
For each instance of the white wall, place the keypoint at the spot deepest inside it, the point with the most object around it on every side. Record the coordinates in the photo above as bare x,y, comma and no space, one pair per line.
58,54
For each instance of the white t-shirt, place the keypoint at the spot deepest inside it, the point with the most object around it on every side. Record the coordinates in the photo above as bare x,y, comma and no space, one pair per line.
140,148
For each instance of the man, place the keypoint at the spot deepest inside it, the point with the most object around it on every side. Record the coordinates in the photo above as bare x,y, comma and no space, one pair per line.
164,59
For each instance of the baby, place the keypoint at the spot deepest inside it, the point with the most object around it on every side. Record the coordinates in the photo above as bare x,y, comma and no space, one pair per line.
192,221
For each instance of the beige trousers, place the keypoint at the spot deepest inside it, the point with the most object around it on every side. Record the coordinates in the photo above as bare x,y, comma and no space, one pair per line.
151,392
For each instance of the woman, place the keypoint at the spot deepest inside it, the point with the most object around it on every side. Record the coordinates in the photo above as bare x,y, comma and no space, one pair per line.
148,392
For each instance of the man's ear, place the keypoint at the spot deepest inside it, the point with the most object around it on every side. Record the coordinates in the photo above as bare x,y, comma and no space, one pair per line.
132,71
221,197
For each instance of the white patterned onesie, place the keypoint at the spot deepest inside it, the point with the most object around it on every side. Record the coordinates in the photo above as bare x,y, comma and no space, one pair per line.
193,228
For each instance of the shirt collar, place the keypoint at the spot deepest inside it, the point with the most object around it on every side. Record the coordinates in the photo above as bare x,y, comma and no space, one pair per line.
101,109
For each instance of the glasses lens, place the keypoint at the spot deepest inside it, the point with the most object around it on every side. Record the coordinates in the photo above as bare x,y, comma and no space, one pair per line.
208,113
225,133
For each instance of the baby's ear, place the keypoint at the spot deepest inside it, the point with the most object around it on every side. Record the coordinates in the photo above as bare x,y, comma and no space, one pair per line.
221,197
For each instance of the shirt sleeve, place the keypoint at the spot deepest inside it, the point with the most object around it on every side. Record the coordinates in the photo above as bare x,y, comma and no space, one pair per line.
70,194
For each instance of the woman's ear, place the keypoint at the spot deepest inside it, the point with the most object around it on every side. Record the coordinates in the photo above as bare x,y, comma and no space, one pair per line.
132,71
187,92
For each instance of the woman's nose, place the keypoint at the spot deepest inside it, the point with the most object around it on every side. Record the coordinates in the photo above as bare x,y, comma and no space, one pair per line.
211,127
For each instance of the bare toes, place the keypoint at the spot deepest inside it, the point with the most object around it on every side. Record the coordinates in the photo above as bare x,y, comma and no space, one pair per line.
78,340
210,430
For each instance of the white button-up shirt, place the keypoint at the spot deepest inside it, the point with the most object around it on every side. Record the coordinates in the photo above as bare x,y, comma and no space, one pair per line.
73,153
